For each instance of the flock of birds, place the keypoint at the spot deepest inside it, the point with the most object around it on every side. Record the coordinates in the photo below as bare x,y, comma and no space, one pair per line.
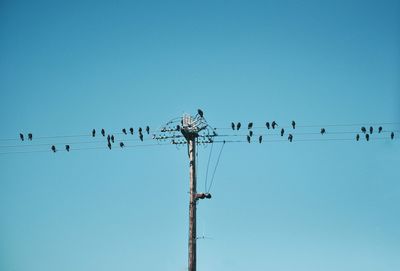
274,125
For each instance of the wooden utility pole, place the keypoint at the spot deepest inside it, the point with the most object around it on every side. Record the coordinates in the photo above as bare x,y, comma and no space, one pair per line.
192,204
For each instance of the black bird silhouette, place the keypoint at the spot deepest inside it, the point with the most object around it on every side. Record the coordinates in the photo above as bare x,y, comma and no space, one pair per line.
103,133
233,126
273,124
267,124
357,137
282,132
290,137
147,129
293,124
121,144
109,145
380,129
250,125
250,133
392,135
260,139
363,130
108,138
248,138
112,138
67,147
323,131
141,136
30,136
93,133
178,127
200,112
367,137
131,130
238,125
53,148
371,130
124,131
21,136
140,130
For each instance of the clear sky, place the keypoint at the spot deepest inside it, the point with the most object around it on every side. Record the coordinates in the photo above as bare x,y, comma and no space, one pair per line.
70,66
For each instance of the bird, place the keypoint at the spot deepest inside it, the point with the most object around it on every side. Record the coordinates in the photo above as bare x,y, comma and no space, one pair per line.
323,131
131,130
30,136
140,130
93,133
251,133
248,138
363,130
121,144
250,125
124,131
293,124
367,137
147,129
371,130
109,145
67,148
260,139
108,138
273,124
238,125
53,148
233,126
290,137
103,132
267,124
141,136
282,132
380,129
392,135
21,136
112,138
357,137
200,112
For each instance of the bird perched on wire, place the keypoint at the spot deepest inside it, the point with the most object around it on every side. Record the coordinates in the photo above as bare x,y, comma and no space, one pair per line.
21,136
238,125
121,144
392,135
124,131
233,126
267,124
108,138
200,112
250,125
148,130
290,137
357,137
250,133
112,138
248,138
93,133
260,139
282,132
30,136
140,130
53,148
103,133
323,131
109,145
367,137
363,129
371,130
274,124
293,124
131,130
141,136
380,129
67,148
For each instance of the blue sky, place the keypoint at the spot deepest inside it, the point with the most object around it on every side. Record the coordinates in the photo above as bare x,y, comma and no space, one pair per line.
70,66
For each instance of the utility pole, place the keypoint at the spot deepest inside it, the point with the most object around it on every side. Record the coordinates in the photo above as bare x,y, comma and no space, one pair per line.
192,203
